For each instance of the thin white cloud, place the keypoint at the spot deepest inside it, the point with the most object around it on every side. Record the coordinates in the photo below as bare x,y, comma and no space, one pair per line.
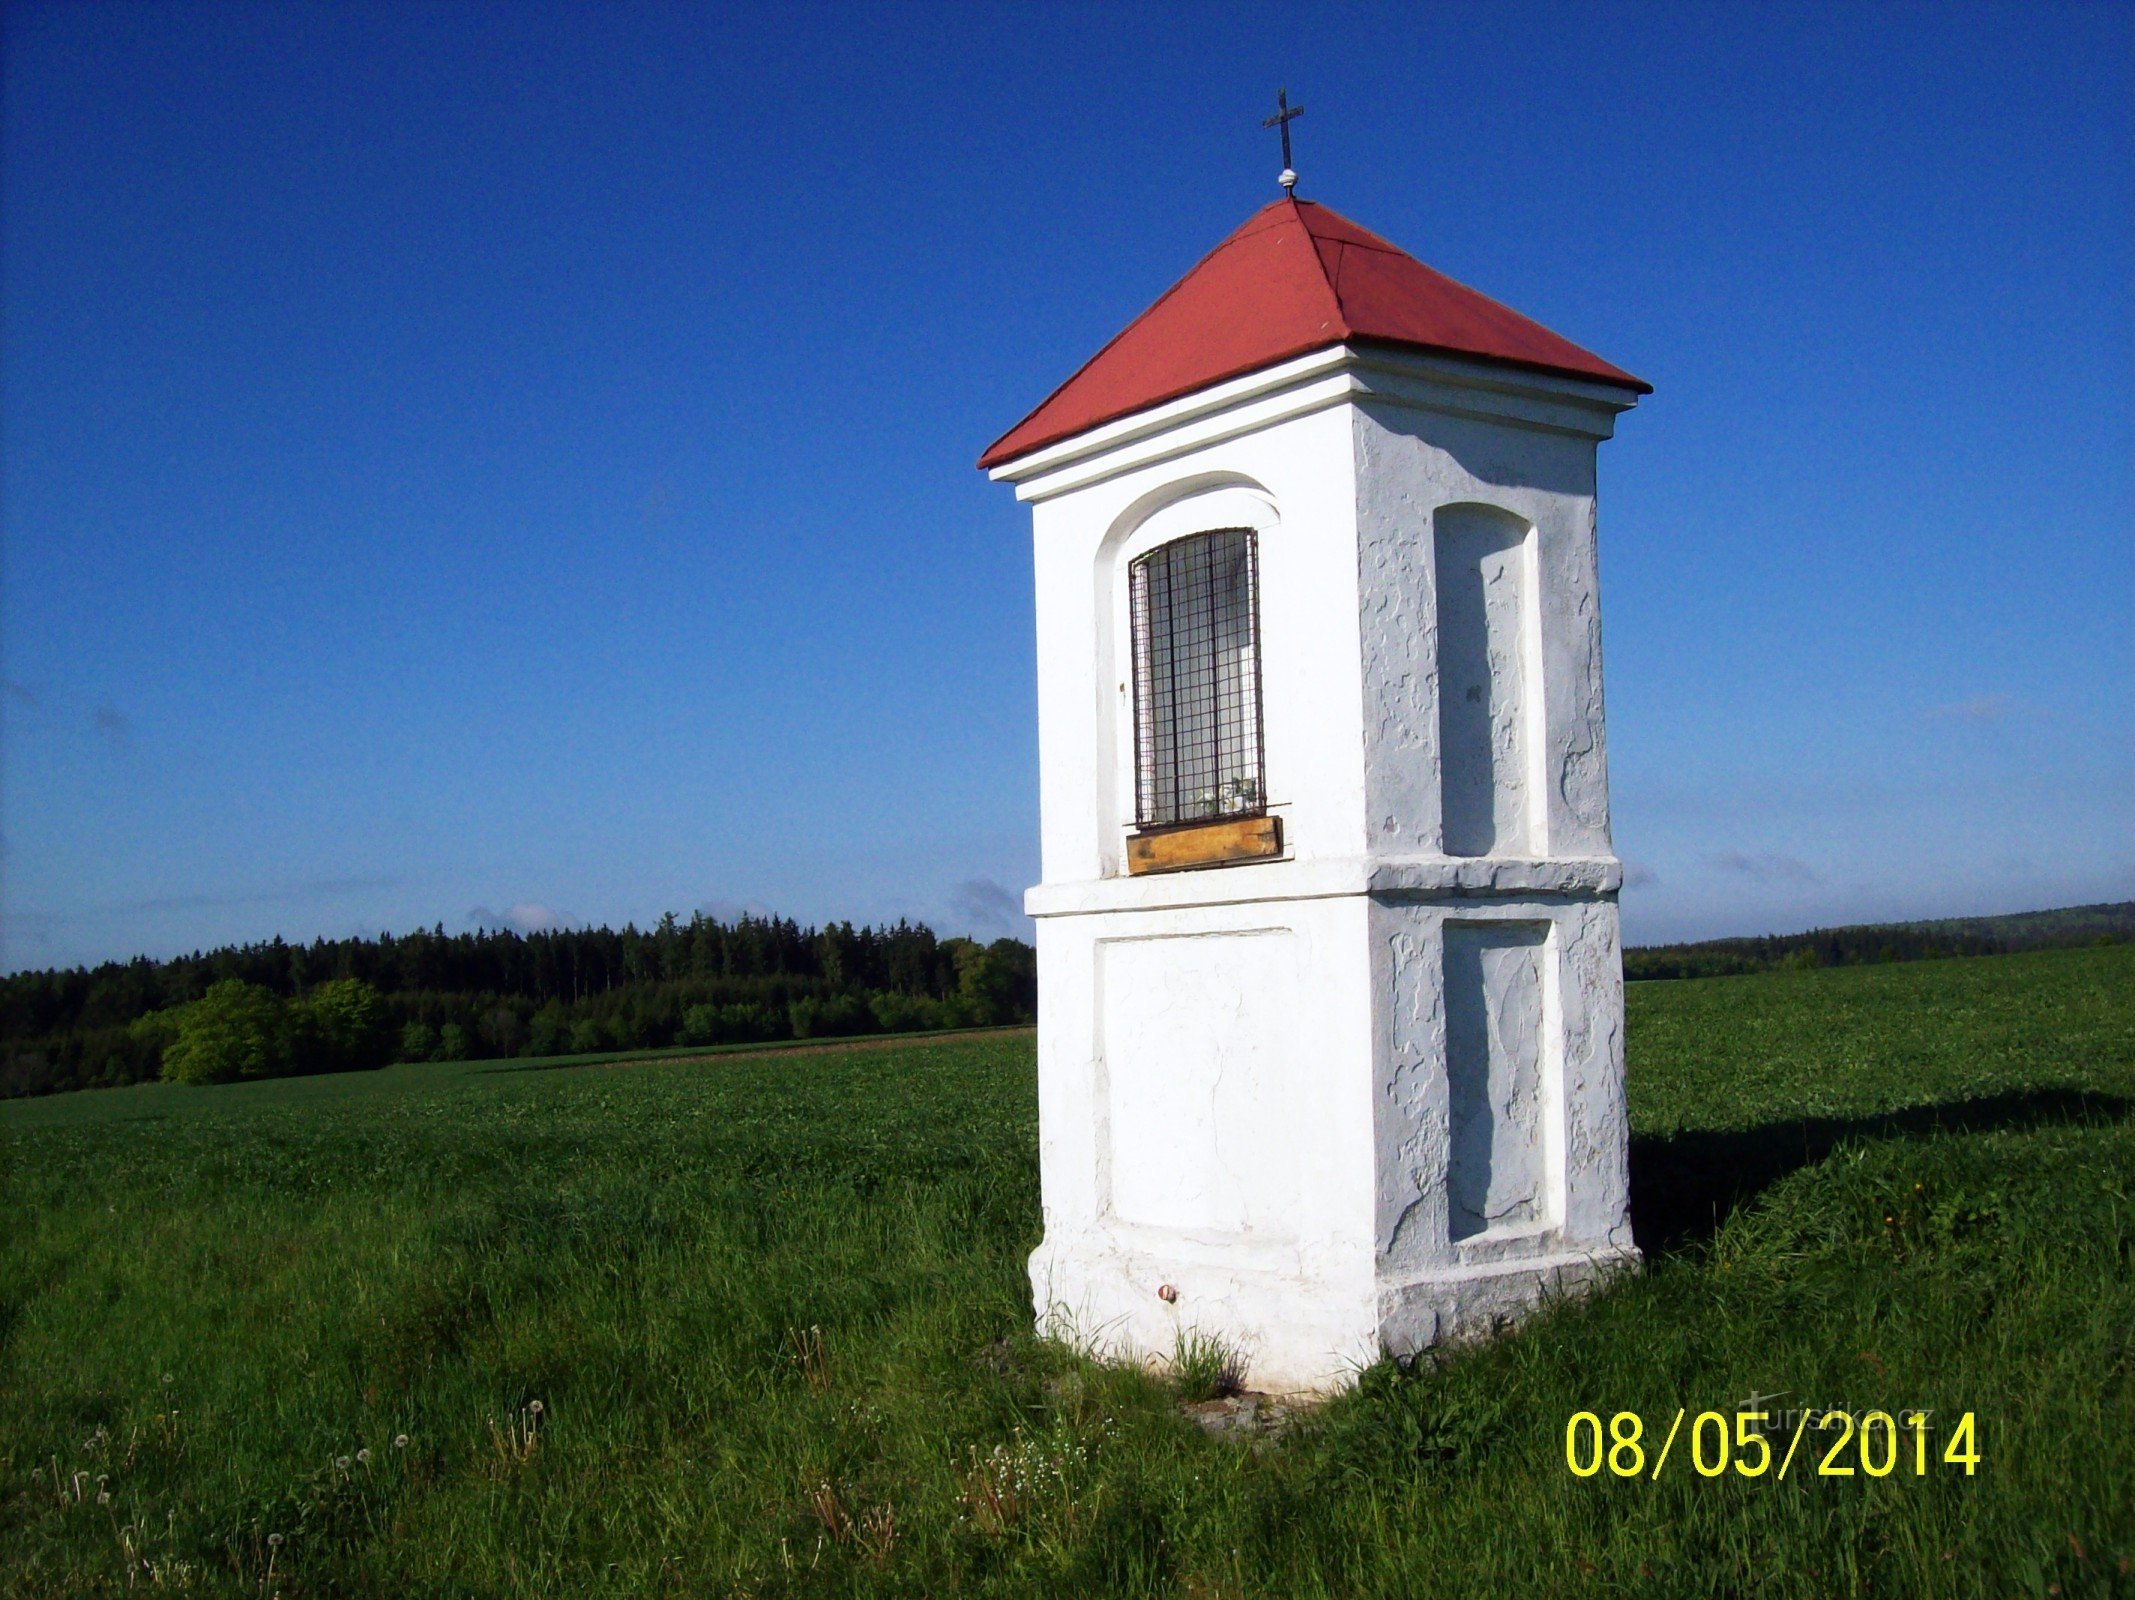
732,911
523,916
1766,867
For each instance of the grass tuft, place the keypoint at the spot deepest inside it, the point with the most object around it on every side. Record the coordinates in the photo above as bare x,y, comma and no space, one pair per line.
1204,1366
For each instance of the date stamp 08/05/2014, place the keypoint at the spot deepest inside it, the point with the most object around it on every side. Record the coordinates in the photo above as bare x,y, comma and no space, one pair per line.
1842,1443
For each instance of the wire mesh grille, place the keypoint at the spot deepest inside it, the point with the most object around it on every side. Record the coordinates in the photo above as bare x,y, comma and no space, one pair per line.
1197,742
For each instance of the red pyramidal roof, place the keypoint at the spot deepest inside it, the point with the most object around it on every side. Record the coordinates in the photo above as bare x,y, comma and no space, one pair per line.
1295,278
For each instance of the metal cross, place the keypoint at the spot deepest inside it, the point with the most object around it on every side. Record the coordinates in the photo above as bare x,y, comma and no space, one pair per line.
1285,113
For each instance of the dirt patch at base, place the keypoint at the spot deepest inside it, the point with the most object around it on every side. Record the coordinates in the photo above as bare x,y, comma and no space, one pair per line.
1248,1416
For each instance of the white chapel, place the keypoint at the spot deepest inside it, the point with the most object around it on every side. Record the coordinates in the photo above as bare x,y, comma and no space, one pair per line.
1330,1039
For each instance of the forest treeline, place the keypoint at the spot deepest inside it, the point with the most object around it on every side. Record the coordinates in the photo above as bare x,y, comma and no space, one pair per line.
1869,943
265,1009
332,1004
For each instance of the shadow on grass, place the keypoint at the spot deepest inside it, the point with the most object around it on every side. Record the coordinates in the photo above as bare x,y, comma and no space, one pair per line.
1684,1185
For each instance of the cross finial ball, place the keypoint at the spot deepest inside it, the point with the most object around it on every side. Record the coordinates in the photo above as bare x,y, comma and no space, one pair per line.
1285,114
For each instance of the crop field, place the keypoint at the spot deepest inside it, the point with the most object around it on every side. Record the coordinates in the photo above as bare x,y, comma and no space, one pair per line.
759,1326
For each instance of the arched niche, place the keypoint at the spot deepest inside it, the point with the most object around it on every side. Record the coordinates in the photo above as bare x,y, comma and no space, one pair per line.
1202,504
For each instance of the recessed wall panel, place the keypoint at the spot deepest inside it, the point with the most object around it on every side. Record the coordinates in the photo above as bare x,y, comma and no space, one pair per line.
1498,1042
1486,601
1201,1076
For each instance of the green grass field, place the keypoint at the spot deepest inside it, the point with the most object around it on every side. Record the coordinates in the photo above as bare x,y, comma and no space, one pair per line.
758,1326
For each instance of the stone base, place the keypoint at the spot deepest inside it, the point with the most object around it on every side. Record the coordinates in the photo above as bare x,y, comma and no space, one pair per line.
1300,1332
1474,1302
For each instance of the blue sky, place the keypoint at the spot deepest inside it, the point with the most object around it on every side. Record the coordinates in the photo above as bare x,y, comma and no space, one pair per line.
514,463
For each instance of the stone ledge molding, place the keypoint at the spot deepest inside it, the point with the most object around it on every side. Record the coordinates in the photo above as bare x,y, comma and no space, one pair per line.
1407,878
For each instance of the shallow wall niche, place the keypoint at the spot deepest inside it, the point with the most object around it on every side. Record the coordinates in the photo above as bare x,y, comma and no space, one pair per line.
1489,652
1498,1034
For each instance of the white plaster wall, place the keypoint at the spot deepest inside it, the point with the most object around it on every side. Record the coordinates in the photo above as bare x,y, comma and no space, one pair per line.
1292,482
1597,1124
1206,1123
1413,463
1199,1050
1574,1129
1550,974
1245,1089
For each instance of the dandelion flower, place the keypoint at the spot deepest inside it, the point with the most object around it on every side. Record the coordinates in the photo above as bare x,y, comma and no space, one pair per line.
400,1441
364,1456
341,1462
535,1408
103,1497
274,1539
